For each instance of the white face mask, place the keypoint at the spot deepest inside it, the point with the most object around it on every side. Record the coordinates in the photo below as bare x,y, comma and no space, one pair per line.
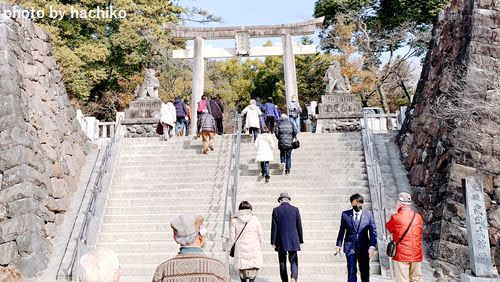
203,230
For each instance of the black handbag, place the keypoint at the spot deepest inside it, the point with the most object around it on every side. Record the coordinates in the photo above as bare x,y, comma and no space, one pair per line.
296,144
392,246
231,253
159,129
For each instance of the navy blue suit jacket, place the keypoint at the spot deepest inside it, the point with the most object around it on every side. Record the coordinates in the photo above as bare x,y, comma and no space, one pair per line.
358,238
286,228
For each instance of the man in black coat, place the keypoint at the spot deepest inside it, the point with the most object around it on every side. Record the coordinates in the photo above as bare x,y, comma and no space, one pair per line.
285,132
217,110
286,236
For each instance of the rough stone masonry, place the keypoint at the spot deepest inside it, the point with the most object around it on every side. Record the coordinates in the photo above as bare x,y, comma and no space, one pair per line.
41,146
453,131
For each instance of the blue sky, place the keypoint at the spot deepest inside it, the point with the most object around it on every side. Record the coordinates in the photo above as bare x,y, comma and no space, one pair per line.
253,12
256,12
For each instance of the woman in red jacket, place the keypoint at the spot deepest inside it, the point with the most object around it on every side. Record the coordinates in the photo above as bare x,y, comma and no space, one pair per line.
408,258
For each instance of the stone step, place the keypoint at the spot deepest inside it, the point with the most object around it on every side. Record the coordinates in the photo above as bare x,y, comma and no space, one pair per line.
198,145
321,154
297,176
159,257
213,157
310,172
246,137
334,214
164,163
167,201
246,181
175,150
245,191
307,270
164,246
159,208
127,173
164,226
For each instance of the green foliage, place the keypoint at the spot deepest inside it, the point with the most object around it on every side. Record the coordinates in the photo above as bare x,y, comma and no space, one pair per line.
393,13
330,9
97,57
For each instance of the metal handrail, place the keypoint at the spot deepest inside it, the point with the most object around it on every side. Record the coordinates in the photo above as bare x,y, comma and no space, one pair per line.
91,209
377,185
233,172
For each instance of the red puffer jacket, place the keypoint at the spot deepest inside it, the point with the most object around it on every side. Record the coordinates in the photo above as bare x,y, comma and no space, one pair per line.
410,248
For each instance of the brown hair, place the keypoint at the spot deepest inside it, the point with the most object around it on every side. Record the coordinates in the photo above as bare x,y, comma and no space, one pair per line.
245,206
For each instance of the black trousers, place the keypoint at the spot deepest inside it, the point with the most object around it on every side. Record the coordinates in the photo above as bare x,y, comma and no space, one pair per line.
270,121
220,127
294,265
363,260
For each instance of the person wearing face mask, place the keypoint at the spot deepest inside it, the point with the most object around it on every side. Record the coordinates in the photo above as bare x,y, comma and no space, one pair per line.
359,235
191,264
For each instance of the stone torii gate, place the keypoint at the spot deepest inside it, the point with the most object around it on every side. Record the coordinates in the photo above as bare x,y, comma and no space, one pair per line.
242,35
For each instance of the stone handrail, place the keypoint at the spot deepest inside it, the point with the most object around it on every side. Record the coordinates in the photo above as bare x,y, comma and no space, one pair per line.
95,129
381,122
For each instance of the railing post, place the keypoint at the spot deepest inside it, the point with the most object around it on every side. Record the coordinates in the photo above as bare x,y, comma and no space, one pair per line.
237,163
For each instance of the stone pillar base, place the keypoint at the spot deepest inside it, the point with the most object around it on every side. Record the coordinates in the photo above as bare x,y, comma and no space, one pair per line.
338,125
467,277
140,128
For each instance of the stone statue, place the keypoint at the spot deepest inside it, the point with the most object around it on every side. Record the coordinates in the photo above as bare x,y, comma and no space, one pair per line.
149,88
336,82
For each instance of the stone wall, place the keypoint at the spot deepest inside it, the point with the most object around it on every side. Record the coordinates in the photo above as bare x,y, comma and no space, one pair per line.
41,146
440,144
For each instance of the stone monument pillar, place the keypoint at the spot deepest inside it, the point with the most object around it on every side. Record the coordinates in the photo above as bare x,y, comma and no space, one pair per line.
144,112
477,233
339,110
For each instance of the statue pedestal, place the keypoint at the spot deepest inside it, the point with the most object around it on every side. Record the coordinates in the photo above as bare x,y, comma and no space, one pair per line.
339,112
142,117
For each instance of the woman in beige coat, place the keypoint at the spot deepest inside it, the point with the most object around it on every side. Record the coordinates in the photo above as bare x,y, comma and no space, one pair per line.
248,249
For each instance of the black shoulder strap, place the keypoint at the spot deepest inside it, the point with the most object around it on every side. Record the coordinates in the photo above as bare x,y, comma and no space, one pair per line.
411,222
241,232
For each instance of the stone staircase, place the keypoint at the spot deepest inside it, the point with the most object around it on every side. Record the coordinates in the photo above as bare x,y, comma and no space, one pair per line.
152,183
326,170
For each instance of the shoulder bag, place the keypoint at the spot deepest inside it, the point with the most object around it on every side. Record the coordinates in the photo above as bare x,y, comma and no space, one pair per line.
392,246
231,253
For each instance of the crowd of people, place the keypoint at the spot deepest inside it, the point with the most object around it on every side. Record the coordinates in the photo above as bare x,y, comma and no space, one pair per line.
357,235
176,117
264,120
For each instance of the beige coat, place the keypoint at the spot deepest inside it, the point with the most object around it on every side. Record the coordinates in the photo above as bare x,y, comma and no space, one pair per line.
248,251
168,115
264,145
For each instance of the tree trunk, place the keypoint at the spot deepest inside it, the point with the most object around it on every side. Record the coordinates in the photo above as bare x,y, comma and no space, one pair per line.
383,100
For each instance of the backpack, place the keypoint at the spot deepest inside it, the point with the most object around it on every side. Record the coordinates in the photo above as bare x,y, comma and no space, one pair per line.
201,106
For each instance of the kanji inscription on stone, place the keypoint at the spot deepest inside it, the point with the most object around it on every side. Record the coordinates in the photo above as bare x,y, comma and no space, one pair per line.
477,227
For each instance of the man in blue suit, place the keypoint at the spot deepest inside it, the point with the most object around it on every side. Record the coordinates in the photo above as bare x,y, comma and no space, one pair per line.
360,240
286,236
